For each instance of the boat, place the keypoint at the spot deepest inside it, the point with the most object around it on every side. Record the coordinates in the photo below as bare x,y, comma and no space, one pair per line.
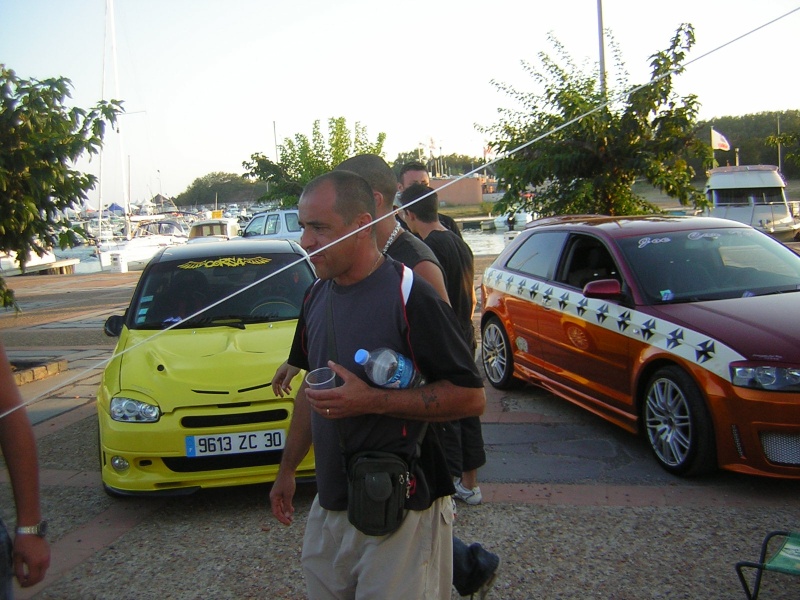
149,237
10,263
754,195
214,230
512,221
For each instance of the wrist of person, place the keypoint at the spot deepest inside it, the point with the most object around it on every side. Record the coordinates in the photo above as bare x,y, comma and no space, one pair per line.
38,530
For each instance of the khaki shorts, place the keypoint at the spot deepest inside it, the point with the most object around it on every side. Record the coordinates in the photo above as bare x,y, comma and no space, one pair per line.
416,561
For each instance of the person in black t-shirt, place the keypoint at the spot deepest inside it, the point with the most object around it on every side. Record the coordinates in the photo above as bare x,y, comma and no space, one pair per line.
466,451
339,561
416,172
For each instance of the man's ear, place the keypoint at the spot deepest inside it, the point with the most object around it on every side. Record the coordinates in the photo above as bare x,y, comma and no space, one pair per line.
379,200
362,220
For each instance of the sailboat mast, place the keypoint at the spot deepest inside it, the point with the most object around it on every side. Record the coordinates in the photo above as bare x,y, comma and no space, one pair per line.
111,28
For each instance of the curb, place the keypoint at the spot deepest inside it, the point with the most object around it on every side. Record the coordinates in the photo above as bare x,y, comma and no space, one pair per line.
39,372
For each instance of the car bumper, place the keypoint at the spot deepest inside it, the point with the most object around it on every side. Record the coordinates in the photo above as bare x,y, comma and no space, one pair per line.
761,436
156,455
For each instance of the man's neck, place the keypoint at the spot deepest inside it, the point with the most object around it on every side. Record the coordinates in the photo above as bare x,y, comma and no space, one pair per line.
361,269
383,229
425,229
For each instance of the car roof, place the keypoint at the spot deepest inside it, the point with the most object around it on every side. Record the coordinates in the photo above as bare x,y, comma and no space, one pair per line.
632,225
231,247
224,220
274,211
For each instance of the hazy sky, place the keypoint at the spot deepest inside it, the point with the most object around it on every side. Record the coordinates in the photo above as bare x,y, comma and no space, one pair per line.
207,83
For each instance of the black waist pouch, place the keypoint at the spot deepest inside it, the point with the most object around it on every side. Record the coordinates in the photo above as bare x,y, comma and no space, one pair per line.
378,485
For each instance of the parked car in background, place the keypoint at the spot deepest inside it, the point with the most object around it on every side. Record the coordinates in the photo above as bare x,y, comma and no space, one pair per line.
192,406
213,230
682,328
278,224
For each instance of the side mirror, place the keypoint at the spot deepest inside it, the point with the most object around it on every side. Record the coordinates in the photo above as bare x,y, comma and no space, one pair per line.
603,289
113,325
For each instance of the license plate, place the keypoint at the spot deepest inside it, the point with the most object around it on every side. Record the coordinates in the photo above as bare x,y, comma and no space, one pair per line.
235,443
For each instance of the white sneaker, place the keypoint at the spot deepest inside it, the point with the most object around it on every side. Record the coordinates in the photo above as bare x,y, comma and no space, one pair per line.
472,497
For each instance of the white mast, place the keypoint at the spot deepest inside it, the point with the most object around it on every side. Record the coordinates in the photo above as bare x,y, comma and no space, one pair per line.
111,25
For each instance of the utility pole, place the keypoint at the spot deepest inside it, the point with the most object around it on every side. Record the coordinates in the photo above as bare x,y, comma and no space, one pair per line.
602,47
275,137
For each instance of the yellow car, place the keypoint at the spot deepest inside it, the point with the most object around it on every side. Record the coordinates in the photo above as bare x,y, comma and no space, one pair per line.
187,401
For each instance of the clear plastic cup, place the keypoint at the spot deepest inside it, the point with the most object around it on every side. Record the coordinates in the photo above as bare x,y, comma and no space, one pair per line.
321,379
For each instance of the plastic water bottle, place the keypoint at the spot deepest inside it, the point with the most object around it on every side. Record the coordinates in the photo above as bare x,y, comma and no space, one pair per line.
389,369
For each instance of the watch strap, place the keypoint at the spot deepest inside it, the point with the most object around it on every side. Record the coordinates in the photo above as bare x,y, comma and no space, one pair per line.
39,529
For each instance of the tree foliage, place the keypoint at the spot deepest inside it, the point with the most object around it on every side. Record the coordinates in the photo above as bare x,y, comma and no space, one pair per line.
220,188
302,159
583,152
40,141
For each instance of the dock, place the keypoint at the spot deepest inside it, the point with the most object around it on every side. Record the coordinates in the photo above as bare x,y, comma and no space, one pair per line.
59,267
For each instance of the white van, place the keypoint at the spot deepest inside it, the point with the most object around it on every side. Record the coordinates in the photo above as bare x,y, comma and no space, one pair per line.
755,195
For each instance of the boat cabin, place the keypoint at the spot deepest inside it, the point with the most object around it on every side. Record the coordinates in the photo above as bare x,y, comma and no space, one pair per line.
754,195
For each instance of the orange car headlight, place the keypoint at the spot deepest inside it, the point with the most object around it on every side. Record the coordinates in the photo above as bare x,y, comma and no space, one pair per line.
766,377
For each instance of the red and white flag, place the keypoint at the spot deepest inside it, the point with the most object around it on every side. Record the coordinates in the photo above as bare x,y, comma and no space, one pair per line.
718,141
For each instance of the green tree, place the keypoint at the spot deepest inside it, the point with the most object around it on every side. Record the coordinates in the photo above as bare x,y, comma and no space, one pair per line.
302,159
40,141
790,144
588,152
220,188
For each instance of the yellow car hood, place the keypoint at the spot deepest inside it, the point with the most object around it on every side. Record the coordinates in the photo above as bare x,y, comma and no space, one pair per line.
203,366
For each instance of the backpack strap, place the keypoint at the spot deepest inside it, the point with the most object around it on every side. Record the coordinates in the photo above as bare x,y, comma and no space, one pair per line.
407,280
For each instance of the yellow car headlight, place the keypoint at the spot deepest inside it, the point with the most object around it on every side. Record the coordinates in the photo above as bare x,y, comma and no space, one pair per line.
128,410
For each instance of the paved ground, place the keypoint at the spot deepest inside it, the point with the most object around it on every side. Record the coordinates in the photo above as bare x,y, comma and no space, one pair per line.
575,507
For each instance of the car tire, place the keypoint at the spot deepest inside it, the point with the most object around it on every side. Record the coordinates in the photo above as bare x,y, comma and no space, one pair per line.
677,424
496,355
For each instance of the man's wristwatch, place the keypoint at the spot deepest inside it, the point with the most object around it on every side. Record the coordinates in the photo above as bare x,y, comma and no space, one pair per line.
39,529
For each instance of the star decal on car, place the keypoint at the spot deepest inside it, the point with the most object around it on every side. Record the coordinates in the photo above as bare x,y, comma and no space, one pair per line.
563,300
648,329
624,320
705,351
675,338
602,313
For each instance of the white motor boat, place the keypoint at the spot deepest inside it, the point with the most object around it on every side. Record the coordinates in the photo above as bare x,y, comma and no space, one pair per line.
148,238
515,221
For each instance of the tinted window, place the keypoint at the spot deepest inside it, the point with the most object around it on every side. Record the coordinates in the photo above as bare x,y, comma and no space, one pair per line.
538,254
292,222
587,260
273,225
255,227
173,291
710,264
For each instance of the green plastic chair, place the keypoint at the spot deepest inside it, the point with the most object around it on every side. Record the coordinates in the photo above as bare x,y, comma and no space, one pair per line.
786,560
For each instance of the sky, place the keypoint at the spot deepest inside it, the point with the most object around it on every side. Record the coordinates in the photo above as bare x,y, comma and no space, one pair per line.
208,83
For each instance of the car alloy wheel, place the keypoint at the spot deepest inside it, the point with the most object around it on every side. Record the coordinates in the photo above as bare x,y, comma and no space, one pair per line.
496,355
677,423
